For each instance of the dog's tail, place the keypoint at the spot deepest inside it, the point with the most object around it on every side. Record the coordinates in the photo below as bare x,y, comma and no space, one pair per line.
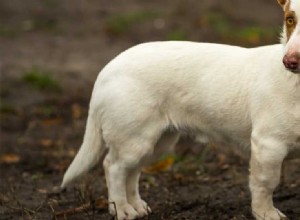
89,153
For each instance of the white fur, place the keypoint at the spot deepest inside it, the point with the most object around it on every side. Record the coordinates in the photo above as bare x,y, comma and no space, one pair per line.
293,46
152,92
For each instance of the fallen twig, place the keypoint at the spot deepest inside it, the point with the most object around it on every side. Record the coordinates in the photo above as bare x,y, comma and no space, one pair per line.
99,204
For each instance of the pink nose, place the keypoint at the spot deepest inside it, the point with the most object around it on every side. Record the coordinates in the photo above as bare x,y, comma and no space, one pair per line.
291,62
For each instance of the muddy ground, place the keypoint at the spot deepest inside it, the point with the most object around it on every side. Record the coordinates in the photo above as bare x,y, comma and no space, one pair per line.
50,54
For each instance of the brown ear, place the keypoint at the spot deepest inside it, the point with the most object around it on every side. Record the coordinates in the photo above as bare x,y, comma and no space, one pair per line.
282,2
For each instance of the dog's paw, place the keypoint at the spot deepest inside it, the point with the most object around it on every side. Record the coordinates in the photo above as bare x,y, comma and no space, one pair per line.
123,211
273,214
141,207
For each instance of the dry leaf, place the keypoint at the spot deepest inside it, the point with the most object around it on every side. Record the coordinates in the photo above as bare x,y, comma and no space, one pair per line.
46,142
42,191
76,111
101,203
71,152
52,121
178,176
222,159
3,198
10,158
161,165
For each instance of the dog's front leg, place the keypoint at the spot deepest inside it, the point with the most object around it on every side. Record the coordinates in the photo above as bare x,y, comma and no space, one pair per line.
267,155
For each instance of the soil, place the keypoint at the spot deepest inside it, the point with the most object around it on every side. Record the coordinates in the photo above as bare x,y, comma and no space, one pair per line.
51,52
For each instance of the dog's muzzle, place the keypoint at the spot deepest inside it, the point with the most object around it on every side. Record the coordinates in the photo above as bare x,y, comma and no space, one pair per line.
292,62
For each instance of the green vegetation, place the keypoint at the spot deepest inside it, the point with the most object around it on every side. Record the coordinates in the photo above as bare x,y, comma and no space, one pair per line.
47,24
47,110
7,31
218,22
251,34
4,91
6,108
177,35
37,176
255,34
41,23
120,23
51,3
41,80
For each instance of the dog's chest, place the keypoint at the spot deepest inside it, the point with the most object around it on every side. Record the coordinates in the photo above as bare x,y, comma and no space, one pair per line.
293,126
282,107
295,120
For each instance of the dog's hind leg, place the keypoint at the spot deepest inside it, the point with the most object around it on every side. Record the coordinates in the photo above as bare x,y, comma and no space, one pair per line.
127,153
117,170
165,145
267,155
133,195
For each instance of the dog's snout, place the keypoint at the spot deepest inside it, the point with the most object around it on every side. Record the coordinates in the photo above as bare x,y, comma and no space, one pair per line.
291,62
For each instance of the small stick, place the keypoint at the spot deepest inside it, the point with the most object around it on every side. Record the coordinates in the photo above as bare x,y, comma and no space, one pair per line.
83,208
73,211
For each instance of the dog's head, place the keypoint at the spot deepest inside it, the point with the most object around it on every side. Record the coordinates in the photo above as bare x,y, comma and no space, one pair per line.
291,34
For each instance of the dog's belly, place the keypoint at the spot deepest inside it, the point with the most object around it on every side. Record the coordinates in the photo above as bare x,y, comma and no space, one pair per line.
225,131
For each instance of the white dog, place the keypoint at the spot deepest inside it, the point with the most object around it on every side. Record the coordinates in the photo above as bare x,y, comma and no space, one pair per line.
148,94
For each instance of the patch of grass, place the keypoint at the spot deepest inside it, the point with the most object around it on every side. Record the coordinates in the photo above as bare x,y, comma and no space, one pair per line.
4,90
177,35
37,176
120,23
41,80
255,34
48,24
8,32
221,24
51,3
41,23
6,108
47,110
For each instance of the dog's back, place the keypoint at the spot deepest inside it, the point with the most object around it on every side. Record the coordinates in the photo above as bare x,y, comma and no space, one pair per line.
205,88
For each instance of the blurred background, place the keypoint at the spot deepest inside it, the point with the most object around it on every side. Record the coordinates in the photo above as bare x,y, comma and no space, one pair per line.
50,54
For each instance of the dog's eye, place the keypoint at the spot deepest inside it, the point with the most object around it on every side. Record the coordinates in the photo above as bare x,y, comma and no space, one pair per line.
290,21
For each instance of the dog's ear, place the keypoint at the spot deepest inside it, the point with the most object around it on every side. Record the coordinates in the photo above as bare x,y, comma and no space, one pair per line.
282,2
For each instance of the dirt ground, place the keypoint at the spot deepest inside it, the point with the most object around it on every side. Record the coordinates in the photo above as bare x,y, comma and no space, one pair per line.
50,54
